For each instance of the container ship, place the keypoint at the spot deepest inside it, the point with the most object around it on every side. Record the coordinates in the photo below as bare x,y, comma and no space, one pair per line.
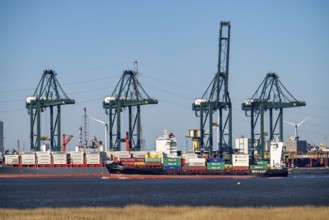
167,162
54,164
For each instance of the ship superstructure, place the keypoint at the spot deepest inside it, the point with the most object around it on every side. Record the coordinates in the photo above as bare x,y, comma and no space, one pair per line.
167,144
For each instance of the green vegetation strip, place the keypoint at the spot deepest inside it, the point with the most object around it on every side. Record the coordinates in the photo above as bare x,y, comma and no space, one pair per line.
168,212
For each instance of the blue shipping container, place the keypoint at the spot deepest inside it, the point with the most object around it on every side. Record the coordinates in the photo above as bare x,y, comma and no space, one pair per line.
216,160
172,167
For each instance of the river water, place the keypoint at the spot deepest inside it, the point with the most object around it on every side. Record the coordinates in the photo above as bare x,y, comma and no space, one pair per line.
98,192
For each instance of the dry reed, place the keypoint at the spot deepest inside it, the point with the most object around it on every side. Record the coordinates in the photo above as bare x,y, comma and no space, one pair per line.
168,213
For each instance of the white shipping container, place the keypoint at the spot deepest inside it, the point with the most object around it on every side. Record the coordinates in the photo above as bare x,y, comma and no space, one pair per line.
76,157
196,160
44,161
41,154
59,158
187,158
59,161
76,160
240,159
28,159
93,162
11,159
240,164
191,164
44,158
76,154
93,157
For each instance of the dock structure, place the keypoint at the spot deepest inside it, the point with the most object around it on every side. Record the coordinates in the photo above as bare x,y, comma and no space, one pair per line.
129,94
48,94
217,98
270,96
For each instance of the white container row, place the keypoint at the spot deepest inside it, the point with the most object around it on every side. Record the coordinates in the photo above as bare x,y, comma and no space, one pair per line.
57,158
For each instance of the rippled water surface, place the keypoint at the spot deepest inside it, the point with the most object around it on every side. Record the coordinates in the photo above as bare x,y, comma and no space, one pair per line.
78,192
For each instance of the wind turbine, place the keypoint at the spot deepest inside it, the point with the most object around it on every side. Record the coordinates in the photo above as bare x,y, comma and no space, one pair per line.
296,126
106,129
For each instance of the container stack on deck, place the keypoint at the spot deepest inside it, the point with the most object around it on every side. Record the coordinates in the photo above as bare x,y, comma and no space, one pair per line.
43,158
28,159
172,164
11,160
259,167
215,164
240,162
56,159
59,158
76,158
190,163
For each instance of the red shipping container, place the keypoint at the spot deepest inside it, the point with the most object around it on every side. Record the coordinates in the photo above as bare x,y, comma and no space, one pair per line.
152,163
128,163
197,168
123,160
242,168
139,159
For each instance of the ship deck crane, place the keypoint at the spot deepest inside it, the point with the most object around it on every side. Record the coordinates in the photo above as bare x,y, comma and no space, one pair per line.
127,94
48,94
66,139
215,98
273,96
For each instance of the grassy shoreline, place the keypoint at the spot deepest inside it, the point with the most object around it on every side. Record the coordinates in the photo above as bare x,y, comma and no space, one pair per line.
168,212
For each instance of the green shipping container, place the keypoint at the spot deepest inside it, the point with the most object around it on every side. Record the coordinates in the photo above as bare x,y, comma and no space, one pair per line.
152,159
216,163
172,163
213,167
262,162
259,167
175,160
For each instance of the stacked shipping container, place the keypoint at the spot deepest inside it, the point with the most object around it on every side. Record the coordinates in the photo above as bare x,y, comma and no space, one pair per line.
240,162
11,159
43,158
172,163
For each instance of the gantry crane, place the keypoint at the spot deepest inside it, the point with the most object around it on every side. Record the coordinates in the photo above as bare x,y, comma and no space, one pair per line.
48,94
127,94
271,95
215,98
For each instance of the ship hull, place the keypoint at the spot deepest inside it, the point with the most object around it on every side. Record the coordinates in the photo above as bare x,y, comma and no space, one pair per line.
282,172
116,168
9,171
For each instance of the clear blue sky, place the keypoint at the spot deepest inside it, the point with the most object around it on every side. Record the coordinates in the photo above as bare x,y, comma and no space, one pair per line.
90,43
